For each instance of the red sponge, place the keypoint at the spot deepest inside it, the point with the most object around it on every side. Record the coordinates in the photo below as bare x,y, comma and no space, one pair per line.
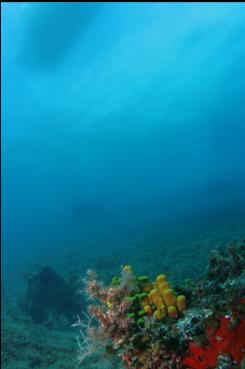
222,342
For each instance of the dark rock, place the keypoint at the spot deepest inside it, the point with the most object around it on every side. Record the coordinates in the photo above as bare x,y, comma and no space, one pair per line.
50,299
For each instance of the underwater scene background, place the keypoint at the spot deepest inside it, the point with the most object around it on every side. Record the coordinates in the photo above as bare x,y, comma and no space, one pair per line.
123,143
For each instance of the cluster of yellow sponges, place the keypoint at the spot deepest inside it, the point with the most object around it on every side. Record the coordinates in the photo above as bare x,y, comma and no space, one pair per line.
162,300
157,299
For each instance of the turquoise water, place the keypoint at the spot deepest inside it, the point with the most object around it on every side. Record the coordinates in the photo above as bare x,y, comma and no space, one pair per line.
123,130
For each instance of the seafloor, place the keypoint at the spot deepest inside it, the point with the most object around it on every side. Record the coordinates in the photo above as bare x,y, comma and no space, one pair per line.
180,251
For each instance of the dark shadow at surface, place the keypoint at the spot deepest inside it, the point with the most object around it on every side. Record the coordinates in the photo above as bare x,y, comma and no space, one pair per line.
51,29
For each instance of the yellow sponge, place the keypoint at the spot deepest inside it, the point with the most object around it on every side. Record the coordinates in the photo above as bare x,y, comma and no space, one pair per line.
148,310
161,278
163,286
181,302
128,269
169,297
159,314
156,298
172,312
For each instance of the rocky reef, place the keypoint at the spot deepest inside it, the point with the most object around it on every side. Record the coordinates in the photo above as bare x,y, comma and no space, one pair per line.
155,324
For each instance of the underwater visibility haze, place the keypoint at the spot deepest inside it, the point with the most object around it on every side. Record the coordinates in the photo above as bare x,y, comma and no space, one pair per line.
123,143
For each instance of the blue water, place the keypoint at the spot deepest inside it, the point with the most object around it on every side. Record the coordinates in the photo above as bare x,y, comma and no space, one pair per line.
117,118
